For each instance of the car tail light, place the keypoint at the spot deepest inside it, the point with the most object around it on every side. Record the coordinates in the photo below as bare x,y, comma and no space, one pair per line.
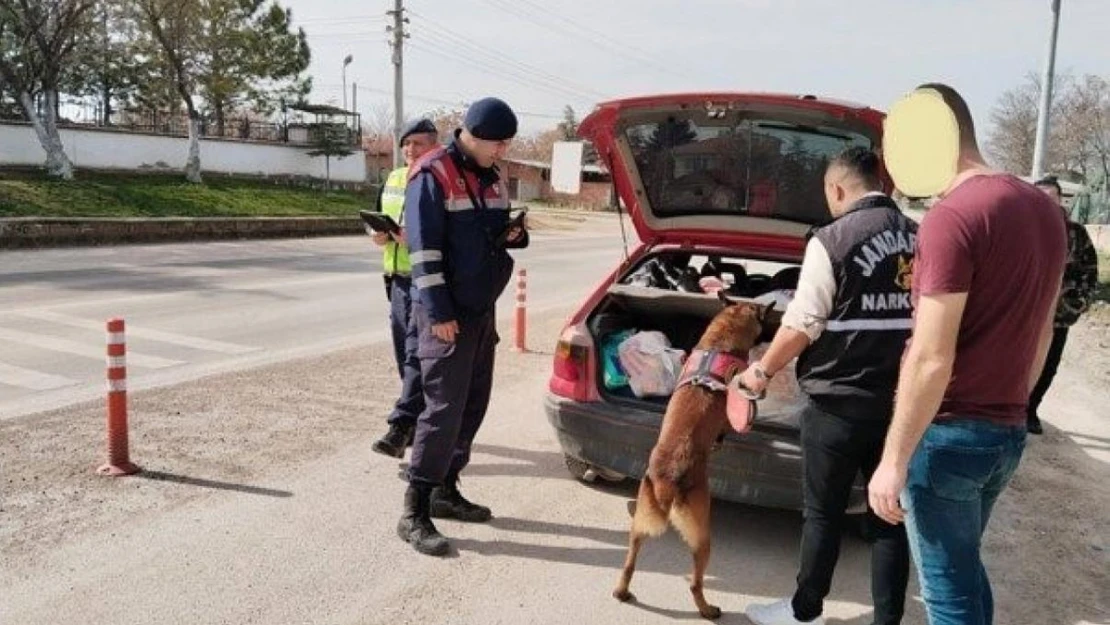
573,374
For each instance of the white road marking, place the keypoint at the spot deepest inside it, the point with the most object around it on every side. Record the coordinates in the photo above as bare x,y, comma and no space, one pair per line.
146,333
87,350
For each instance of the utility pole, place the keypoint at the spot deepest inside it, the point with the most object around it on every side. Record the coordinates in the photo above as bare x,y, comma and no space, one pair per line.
1046,95
399,36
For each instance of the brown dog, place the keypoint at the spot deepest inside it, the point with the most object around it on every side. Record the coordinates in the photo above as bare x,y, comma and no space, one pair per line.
675,489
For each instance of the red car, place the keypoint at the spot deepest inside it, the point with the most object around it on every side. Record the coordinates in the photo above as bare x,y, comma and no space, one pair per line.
722,185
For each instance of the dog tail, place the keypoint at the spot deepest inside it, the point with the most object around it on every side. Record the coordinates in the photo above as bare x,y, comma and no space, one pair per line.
650,517
665,494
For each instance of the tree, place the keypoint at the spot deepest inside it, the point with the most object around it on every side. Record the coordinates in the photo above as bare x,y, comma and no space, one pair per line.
1014,132
255,58
222,52
1079,128
1084,129
569,125
447,120
378,123
569,129
537,147
330,139
37,40
103,66
173,43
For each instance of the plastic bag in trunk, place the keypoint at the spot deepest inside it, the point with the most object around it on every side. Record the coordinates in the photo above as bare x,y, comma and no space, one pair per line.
652,365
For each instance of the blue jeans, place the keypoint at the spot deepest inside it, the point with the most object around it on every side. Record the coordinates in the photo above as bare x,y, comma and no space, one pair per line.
955,476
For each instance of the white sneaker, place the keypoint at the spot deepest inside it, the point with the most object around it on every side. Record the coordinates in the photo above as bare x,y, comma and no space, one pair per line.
777,613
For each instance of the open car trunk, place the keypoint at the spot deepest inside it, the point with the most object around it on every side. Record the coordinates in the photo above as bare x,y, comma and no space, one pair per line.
681,311
735,170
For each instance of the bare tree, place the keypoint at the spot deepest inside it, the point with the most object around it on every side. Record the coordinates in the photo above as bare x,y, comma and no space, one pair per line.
447,120
1014,118
1084,128
537,147
37,40
378,122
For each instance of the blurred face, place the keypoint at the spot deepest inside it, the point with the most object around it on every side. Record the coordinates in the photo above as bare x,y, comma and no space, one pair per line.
483,151
1051,192
416,145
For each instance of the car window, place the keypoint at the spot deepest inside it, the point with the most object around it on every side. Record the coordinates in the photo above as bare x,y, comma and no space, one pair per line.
758,167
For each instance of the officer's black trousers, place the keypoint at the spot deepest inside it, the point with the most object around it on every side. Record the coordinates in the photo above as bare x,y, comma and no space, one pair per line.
834,450
457,381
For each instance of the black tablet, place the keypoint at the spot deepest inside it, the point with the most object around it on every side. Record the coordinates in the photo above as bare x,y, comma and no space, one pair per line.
516,222
379,222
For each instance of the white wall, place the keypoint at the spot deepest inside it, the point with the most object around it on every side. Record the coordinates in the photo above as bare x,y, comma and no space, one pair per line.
98,149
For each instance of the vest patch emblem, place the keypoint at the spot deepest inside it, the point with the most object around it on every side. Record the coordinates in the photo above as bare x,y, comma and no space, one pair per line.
904,278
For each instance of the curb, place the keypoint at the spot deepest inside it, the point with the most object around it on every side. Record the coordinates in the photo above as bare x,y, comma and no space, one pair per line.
36,232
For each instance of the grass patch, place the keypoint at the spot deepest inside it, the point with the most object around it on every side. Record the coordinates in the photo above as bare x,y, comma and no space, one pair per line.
169,195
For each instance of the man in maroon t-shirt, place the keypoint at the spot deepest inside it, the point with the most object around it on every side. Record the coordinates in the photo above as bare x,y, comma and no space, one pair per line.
988,267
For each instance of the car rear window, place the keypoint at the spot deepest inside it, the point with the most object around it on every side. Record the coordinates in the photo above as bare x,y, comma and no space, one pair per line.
757,167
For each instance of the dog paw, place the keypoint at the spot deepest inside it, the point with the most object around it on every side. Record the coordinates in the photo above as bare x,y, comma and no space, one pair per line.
711,612
622,595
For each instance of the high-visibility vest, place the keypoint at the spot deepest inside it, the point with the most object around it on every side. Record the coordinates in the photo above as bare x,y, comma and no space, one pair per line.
395,258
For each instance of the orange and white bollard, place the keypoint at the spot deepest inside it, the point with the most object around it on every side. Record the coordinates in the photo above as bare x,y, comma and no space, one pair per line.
520,321
118,461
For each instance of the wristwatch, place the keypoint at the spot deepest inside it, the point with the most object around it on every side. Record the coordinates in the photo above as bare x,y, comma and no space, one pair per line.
761,373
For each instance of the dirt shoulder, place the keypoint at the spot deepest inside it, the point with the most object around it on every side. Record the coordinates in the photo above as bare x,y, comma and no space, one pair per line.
261,504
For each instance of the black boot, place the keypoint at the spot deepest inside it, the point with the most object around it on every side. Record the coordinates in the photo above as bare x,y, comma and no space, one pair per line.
395,440
416,528
448,503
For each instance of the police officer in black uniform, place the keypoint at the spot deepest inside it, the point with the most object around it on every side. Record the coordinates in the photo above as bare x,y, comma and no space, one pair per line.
848,325
457,211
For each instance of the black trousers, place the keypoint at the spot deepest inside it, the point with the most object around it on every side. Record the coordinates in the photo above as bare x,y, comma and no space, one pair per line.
1051,364
834,450
458,379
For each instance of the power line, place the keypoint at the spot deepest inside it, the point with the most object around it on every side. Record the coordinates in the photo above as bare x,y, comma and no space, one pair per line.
601,36
341,20
596,38
517,78
461,102
503,63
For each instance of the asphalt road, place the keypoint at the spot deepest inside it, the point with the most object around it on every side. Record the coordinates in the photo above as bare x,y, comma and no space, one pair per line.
197,309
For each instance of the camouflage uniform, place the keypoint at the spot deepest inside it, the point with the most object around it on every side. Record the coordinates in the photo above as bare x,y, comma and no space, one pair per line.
1077,291
1080,277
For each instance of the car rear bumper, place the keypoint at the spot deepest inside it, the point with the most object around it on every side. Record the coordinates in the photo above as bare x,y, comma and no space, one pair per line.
762,467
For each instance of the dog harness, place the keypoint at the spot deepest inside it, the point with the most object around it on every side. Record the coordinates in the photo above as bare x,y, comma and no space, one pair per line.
719,372
711,368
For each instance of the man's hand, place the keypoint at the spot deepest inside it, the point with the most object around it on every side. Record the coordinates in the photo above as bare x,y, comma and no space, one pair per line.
380,238
399,237
883,492
446,331
514,235
751,381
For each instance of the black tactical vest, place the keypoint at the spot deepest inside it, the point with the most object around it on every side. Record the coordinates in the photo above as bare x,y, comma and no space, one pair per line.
851,370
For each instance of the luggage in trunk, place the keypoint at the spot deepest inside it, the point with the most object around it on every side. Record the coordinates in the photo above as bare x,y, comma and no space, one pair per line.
683,318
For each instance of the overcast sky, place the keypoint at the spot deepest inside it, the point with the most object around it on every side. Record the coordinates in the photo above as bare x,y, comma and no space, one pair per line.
540,55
